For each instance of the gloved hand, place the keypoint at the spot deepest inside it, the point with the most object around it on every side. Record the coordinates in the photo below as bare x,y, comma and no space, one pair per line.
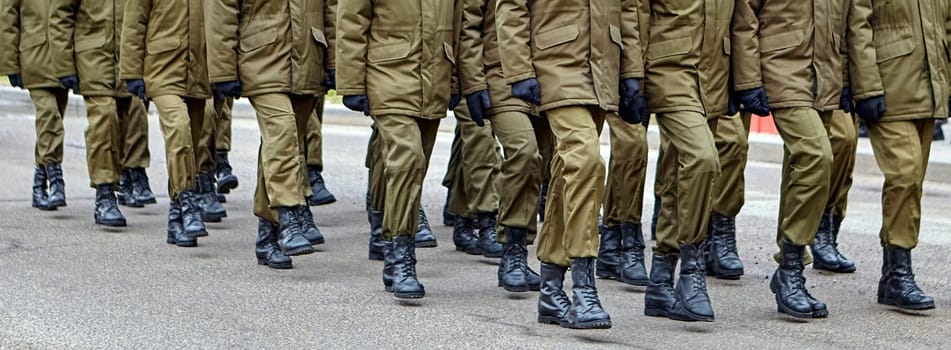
70,82
136,87
754,101
871,109
16,80
357,103
330,79
227,89
732,105
528,90
845,100
478,103
454,101
633,107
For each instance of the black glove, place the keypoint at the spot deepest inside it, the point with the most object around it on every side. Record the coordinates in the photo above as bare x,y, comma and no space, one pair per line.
633,107
732,105
330,79
227,89
16,80
70,82
454,101
528,90
871,109
845,100
478,103
136,87
357,103
754,101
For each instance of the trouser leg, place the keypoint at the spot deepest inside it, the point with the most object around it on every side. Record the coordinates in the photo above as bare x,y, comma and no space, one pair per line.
732,140
376,149
181,120
314,151
627,172
843,137
520,175
134,133
102,135
480,163
223,127
409,143
50,107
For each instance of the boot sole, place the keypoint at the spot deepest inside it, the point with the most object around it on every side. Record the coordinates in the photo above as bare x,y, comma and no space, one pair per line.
197,234
654,312
597,324
831,268
131,205
112,223
57,204
299,251
726,274
409,295
321,201
227,184
688,316
550,320
474,251
638,283
213,217
427,244
492,255
44,208
514,289
782,308
317,241
147,201
276,266
921,306
186,244
606,275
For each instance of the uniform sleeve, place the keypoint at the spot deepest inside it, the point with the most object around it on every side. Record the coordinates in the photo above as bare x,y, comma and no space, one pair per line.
330,32
135,25
632,56
747,68
9,37
471,49
353,25
62,25
863,67
513,25
844,45
221,33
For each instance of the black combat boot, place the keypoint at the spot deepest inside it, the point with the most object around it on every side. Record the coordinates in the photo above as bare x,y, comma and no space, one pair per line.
654,217
211,209
424,233
405,283
488,244
448,217
693,302
586,311
542,200
464,236
40,197
513,268
722,259
376,251
266,248
553,303
631,267
825,249
176,228
107,210
789,285
609,251
660,297
292,241
897,286
321,195
191,214
227,181
140,186
308,226
389,261
57,196
124,195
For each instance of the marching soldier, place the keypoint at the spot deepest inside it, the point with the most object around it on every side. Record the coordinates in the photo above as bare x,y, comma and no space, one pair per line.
163,58
279,64
211,208
25,57
315,149
134,188
566,57
224,174
899,68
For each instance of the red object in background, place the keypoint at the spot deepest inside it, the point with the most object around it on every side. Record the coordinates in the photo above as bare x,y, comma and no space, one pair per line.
763,125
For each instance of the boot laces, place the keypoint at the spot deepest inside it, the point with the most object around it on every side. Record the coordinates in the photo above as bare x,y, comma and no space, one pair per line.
423,220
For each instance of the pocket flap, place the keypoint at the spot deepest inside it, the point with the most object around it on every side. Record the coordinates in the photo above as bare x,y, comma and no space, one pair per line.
319,37
257,40
556,37
163,45
669,48
450,53
388,52
86,44
894,50
781,41
727,46
616,36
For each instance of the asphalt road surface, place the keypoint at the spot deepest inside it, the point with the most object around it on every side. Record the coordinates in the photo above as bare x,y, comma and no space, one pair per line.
66,283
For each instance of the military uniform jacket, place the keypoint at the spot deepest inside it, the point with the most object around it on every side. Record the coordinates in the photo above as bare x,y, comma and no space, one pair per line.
398,53
791,48
271,46
688,56
163,42
24,44
900,49
84,35
573,48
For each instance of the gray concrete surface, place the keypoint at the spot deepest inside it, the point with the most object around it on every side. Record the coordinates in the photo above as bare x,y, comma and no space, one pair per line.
68,284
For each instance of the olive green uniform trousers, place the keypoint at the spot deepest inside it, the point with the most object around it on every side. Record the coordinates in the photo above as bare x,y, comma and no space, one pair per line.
902,149
134,135
473,167
731,135
223,128
214,108
576,190
114,137
282,178
687,174
843,137
627,172
407,144
50,107
521,170
181,120
314,152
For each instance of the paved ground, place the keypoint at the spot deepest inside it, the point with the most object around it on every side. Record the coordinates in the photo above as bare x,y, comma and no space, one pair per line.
66,283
